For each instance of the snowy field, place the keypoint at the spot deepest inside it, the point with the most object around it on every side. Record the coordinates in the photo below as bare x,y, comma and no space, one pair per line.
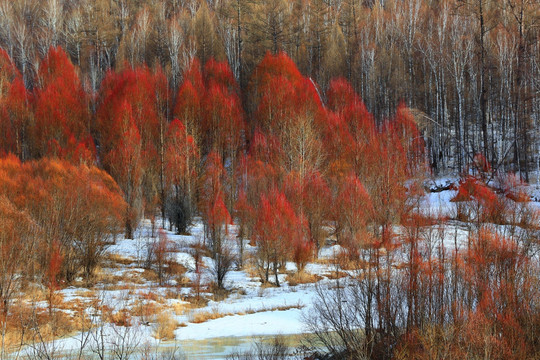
247,310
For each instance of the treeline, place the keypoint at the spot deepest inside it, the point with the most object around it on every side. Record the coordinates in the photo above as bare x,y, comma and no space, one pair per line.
470,69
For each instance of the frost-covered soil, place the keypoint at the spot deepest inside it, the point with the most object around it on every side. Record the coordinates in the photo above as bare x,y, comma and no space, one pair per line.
247,310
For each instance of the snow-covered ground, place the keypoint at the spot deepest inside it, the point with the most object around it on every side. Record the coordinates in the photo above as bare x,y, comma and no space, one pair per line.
248,310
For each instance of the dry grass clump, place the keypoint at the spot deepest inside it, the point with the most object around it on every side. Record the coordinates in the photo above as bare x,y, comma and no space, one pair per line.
204,316
114,260
267,285
121,318
197,301
133,277
176,269
146,309
27,324
33,293
333,275
217,293
102,276
164,326
149,275
272,308
149,295
347,263
325,261
302,277
85,293
181,308
250,266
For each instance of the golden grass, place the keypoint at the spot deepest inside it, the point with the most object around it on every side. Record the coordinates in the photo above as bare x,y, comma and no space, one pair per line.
146,309
204,316
121,318
27,323
302,277
275,308
149,275
336,275
103,276
182,308
86,293
118,259
164,326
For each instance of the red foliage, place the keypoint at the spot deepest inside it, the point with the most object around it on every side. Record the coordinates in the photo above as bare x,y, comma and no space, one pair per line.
80,206
188,105
405,129
481,164
266,148
14,117
220,73
353,210
316,200
181,154
277,231
488,206
302,248
211,187
497,273
8,70
271,67
223,122
350,133
61,109
283,101
512,186
211,96
340,94
55,263
143,90
218,215
125,165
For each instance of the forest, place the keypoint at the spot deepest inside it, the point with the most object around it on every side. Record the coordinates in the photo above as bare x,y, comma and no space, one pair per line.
282,127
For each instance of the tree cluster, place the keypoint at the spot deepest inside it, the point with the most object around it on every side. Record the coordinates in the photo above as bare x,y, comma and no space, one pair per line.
440,291
277,166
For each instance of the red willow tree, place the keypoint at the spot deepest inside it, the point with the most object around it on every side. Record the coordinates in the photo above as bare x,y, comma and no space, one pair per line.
209,105
181,171
126,166
278,232
15,114
188,102
62,116
138,97
216,216
287,105
80,207
498,303
256,172
17,232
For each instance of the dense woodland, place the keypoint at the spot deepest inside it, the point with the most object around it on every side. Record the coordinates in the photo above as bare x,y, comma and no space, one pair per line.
469,69
299,121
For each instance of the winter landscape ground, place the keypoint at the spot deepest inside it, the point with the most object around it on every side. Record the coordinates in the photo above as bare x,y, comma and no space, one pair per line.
132,314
